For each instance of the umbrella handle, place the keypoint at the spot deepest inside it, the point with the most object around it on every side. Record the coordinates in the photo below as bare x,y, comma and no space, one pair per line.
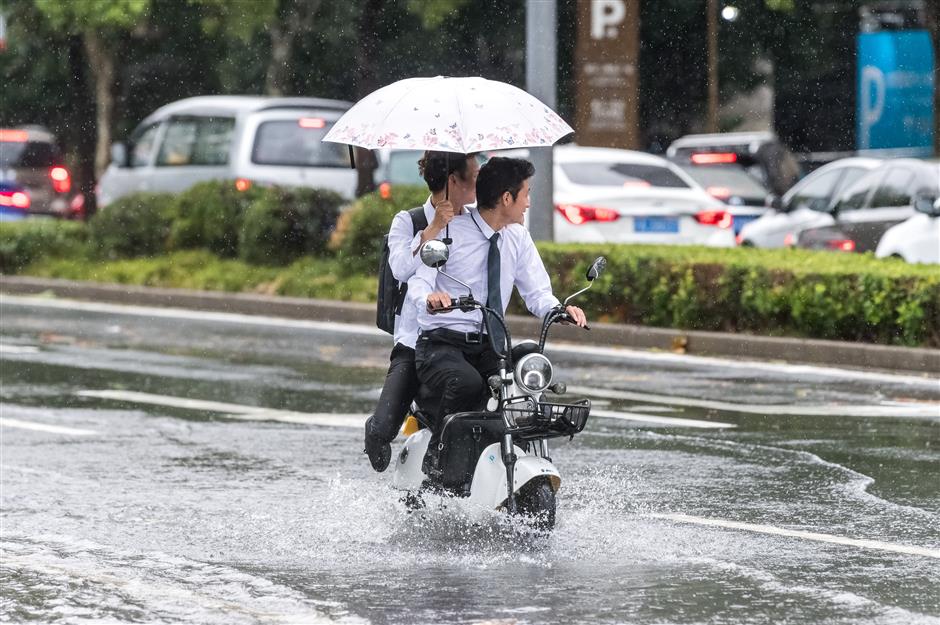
447,240
352,157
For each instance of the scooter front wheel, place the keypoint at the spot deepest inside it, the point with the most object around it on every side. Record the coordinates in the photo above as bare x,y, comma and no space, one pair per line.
536,502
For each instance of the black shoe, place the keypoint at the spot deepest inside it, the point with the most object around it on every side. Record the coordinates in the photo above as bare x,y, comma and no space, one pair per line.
380,452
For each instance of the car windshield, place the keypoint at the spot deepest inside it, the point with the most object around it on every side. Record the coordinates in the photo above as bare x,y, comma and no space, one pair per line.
622,175
403,167
730,180
292,142
27,154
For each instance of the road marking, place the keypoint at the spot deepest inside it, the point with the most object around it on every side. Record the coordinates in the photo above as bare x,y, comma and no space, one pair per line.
43,427
194,315
577,349
6,348
915,410
669,421
779,531
234,411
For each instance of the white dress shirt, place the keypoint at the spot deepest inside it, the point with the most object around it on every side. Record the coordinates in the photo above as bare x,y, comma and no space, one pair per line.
402,243
520,266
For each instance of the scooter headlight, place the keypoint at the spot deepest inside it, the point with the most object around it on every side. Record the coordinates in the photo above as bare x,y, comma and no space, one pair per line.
534,373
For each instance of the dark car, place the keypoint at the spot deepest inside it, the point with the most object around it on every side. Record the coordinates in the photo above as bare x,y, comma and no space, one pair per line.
745,196
874,203
762,154
31,159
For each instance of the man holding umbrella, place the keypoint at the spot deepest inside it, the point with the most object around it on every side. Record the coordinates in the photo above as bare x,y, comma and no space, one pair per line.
451,178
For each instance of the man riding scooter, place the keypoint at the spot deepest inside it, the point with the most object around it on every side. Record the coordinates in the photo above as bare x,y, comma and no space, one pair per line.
492,252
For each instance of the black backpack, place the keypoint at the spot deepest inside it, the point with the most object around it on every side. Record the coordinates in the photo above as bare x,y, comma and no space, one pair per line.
391,295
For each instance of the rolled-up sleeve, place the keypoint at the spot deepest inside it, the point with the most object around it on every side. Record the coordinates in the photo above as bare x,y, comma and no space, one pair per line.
402,242
532,280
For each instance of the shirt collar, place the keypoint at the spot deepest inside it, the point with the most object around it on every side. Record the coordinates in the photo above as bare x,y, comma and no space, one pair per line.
482,225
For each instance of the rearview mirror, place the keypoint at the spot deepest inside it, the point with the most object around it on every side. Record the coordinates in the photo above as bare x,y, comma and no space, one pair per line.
434,253
599,264
119,154
927,204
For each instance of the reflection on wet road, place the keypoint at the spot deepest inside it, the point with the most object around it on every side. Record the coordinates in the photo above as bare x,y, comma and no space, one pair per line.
181,468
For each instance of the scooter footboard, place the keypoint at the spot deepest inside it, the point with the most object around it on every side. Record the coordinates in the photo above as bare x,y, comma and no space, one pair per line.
488,489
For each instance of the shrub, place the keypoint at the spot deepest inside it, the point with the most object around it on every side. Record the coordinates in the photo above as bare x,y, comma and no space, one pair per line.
358,236
23,242
209,215
284,224
849,297
135,225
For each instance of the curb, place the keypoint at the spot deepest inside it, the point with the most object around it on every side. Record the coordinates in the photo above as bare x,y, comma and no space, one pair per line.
795,350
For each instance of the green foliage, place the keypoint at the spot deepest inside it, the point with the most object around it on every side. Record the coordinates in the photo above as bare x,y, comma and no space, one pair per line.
209,215
358,236
135,225
284,224
848,297
24,242
94,15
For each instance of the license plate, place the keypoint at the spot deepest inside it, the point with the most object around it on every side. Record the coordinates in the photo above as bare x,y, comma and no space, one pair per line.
656,224
741,220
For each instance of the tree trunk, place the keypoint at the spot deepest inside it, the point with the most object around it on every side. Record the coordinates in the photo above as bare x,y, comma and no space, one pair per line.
101,60
82,112
281,44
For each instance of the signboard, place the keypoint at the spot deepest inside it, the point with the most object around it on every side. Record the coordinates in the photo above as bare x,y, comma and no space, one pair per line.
895,92
607,73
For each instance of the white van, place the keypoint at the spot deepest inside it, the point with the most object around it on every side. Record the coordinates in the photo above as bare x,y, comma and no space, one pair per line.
246,139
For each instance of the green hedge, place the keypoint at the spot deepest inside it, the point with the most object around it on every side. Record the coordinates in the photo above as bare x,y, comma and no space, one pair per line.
848,297
135,225
23,242
357,240
209,216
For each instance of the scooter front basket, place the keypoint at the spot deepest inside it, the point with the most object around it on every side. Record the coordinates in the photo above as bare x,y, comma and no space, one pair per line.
550,419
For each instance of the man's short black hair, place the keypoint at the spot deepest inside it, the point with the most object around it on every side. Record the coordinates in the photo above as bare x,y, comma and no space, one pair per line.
499,175
436,167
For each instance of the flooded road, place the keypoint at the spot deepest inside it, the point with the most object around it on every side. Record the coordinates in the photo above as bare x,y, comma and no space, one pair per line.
171,466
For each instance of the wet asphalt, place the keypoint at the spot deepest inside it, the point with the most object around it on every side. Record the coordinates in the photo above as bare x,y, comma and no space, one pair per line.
815,500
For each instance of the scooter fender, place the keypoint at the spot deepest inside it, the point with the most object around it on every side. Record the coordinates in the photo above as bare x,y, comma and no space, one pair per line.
488,489
408,474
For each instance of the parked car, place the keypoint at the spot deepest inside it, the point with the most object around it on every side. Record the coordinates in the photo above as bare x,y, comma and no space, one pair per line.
247,139
807,204
621,196
761,153
745,197
14,201
868,208
916,240
31,160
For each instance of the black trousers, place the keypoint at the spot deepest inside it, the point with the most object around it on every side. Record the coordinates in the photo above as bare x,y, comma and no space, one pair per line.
401,385
453,372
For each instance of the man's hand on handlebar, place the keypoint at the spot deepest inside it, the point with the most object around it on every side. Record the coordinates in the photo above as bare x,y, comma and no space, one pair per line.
437,301
575,315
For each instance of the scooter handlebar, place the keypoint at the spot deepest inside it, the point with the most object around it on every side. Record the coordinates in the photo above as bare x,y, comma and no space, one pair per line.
464,303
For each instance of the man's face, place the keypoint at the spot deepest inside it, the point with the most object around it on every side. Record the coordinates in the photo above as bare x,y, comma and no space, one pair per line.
463,189
515,209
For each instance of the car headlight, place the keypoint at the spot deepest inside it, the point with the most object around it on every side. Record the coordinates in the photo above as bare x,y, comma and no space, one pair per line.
533,373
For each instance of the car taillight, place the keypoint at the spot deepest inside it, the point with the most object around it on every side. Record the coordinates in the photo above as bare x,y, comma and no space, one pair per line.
77,205
61,180
739,239
719,192
843,245
15,199
242,184
385,191
722,219
311,122
577,214
714,158
13,136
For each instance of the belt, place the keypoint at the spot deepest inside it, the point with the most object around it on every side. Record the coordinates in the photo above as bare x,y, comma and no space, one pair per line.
471,338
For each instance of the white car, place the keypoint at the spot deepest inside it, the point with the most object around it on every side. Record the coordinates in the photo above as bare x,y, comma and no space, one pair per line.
807,205
916,240
246,139
605,195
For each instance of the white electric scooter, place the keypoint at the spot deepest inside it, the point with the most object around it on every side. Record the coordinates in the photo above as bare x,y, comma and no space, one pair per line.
498,457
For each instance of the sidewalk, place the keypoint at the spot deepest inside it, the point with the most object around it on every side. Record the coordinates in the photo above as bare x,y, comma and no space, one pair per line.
793,350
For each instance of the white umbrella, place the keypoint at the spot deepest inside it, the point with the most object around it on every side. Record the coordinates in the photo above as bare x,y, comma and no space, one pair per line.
449,114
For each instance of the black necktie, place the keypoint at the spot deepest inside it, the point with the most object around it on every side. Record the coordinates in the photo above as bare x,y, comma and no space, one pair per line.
494,299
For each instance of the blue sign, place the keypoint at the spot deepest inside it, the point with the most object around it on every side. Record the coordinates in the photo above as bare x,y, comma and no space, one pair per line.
895,92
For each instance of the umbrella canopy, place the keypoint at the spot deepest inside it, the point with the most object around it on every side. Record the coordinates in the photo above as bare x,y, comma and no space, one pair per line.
449,114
